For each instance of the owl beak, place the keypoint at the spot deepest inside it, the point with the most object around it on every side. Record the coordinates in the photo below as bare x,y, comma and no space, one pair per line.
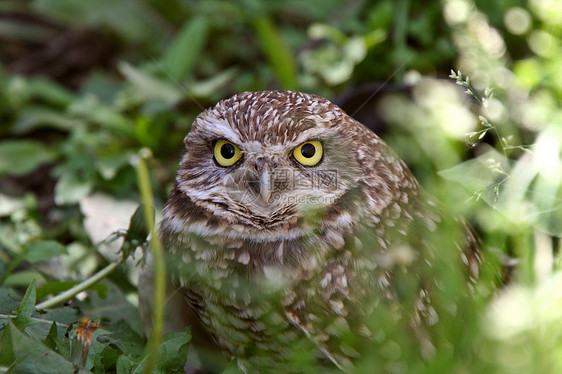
265,184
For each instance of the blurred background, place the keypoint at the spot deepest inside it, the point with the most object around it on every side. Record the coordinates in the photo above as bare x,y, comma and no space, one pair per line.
467,92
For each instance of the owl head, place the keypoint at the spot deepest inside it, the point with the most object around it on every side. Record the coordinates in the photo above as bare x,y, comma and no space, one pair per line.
261,160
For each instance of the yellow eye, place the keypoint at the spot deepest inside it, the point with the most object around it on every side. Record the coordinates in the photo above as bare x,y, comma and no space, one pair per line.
309,153
226,153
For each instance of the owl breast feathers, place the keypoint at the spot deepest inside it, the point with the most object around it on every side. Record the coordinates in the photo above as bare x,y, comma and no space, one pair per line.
279,228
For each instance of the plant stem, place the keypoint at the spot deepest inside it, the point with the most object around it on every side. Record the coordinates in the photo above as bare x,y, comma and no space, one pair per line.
82,286
159,266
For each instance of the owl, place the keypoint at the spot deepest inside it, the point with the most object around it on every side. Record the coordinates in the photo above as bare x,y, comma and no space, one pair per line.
285,229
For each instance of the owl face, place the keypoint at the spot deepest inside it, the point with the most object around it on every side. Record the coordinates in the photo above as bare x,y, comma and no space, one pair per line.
261,160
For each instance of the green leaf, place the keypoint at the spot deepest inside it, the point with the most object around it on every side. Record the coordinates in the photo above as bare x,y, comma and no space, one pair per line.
33,357
186,49
55,343
210,86
148,87
113,309
43,250
23,278
10,300
109,164
50,92
20,157
137,233
232,367
63,315
480,174
97,352
125,364
105,116
25,310
51,336
278,53
172,353
6,349
70,189
33,117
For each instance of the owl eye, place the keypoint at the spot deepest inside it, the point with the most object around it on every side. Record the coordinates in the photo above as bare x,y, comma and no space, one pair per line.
309,153
226,153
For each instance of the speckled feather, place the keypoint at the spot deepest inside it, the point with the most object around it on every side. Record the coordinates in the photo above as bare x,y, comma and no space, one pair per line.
261,275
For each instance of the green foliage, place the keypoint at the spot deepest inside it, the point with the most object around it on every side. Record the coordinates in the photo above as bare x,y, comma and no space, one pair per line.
62,143
20,157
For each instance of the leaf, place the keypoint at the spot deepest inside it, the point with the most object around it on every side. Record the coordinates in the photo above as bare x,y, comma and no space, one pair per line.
232,367
96,353
43,250
109,164
480,173
172,353
33,357
25,310
51,336
23,278
6,349
20,157
63,315
33,117
125,364
148,87
137,233
55,343
212,85
125,338
105,116
186,49
50,92
70,189
277,52
114,309
10,300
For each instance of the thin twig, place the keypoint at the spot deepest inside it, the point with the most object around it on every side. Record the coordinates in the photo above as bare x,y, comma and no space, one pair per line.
82,286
